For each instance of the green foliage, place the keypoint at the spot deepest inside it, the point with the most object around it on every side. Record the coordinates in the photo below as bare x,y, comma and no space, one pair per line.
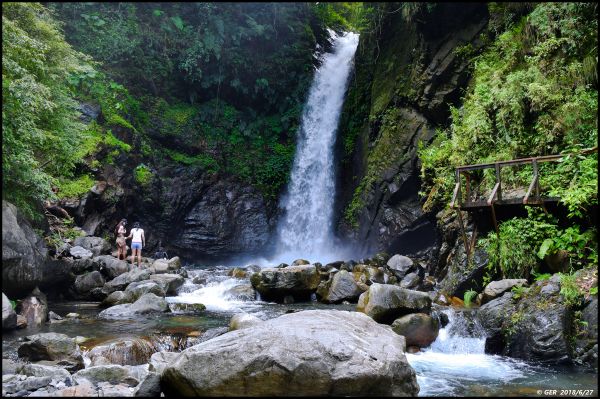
518,291
75,187
541,276
40,126
514,251
468,297
593,290
13,304
582,247
142,174
569,289
575,182
529,96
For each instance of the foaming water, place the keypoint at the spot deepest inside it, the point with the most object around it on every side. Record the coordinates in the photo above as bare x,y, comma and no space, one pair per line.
306,228
220,293
455,362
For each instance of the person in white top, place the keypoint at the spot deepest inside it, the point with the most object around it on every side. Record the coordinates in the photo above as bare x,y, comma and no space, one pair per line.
137,242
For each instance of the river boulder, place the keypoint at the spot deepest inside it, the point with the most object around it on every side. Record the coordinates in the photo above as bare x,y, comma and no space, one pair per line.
34,308
131,351
340,287
419,329
85,283
160,360
23,253
78,252
531,327
147,303
139,288
120,282
243,320
399,265
497,288
118,298
110,266
275,284
168,282
385,302
40,370
96,245
309,353
54,347
9,316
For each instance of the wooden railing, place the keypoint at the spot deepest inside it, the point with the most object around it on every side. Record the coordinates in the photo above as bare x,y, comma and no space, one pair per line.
531,197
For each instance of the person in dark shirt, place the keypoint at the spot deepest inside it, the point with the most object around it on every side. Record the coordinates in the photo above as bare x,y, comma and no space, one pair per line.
160,253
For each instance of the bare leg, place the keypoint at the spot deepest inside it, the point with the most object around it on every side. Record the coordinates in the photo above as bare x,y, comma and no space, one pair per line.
139,258
133,253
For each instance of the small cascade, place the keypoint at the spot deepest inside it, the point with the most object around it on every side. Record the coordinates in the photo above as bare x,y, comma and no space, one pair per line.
219,292
457,360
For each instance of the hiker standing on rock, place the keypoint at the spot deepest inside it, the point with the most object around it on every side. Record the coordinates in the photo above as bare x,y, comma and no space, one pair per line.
137,242
120,231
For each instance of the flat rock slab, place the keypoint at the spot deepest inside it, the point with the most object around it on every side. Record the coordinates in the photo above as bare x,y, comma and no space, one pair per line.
309,353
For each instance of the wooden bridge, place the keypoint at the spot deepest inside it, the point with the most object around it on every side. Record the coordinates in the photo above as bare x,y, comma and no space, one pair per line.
471,201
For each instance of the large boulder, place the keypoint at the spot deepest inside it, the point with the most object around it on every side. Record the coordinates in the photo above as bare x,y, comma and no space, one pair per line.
118,298
120,282
309,353
160,360
168,282
85,283
9,316
23,254
533,327
160,266
400,265
147,303
111,267
340,287
34,308
243,320
131,351
52,346
497,288
139,288
275,284
419,329
113,374
78,252
40,370
385,303
96,245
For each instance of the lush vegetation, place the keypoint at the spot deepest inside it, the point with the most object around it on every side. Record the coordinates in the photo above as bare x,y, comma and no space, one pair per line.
40,126
533,92
218,87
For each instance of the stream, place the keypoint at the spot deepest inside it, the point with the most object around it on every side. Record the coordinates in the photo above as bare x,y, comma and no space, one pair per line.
454,365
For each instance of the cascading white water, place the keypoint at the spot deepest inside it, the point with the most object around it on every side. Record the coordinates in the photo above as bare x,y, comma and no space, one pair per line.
457,360
306,228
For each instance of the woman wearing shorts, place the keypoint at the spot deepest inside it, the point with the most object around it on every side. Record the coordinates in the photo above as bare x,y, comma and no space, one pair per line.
137,242
120,231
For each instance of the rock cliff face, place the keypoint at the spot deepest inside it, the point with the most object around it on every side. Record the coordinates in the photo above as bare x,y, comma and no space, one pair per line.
23,253
403,84
191,213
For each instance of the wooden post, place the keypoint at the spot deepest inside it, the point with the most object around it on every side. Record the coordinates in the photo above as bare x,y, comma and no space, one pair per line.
467,188
464,235
537,180
497,167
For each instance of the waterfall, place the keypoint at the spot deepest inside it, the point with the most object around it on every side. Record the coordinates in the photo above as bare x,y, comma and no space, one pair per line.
306,228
